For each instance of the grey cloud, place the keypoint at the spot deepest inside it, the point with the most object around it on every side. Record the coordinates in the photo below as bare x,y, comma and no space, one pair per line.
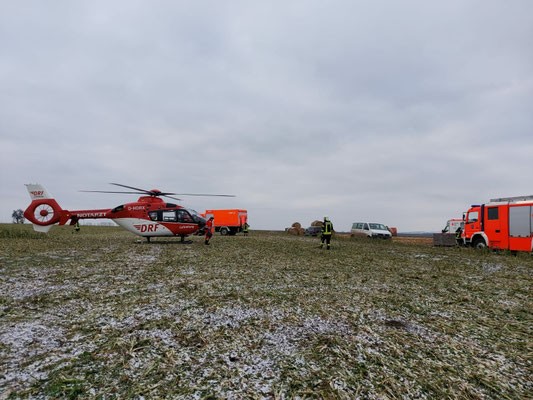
404,112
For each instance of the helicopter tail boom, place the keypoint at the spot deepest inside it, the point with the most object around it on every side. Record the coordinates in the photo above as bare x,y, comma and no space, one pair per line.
44,211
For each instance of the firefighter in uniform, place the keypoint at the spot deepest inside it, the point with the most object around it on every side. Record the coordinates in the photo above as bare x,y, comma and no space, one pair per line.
77,226
245,228
209,230
458,238
327,231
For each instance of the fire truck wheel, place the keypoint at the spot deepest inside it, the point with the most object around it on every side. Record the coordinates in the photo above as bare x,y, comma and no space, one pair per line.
223,231
480,244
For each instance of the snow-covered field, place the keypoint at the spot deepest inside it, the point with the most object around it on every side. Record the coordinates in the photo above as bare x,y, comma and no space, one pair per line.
268,316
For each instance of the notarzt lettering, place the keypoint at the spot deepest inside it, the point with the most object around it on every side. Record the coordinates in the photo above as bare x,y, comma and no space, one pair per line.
91,215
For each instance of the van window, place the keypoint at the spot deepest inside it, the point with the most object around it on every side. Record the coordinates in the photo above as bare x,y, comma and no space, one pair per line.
366,227
378,226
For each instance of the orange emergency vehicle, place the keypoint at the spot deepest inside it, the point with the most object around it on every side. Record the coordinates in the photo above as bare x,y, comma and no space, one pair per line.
228,222
504,223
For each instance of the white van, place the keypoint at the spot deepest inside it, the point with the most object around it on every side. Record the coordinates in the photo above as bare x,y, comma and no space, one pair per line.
371,230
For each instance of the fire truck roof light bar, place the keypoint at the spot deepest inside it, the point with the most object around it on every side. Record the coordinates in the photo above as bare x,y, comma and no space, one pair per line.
512,199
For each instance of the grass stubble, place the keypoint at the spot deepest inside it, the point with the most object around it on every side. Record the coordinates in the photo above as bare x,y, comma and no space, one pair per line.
100,314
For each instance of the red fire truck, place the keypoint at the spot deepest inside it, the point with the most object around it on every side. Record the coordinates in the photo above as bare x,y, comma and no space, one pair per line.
505,223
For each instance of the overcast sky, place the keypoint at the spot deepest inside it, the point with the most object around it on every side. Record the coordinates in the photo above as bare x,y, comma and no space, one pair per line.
399,112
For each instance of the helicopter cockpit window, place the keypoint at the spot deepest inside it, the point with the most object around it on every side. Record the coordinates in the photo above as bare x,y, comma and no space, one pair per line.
153,215
197,218
169,216
184,216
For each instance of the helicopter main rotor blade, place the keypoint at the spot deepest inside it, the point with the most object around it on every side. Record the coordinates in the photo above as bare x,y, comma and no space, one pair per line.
156,193
108,191
169,193
171,197
205,194
138,193
150,192
131,187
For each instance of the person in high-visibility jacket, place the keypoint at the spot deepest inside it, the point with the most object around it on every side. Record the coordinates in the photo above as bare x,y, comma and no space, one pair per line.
327,231
209,229
76,226
458,238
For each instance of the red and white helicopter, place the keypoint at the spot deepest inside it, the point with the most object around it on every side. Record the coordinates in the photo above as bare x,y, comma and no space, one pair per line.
149,216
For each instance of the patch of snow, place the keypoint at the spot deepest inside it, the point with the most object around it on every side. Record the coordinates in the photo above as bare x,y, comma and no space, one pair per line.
25,341
490,268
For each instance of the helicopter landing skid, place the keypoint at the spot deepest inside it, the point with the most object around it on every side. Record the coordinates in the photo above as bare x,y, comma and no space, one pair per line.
165,241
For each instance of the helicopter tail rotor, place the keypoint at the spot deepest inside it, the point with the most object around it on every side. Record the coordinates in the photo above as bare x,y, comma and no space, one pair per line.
44,211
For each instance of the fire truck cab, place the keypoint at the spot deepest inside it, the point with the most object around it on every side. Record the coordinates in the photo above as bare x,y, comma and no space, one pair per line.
502,224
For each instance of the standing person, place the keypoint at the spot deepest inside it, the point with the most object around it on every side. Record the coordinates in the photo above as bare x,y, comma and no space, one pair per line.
245,228
77,226
458,238
209,229
327,231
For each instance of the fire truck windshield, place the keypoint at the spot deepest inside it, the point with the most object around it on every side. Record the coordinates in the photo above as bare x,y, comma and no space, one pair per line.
473,216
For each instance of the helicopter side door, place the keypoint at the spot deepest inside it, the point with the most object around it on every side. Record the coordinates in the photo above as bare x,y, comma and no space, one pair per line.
178,222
